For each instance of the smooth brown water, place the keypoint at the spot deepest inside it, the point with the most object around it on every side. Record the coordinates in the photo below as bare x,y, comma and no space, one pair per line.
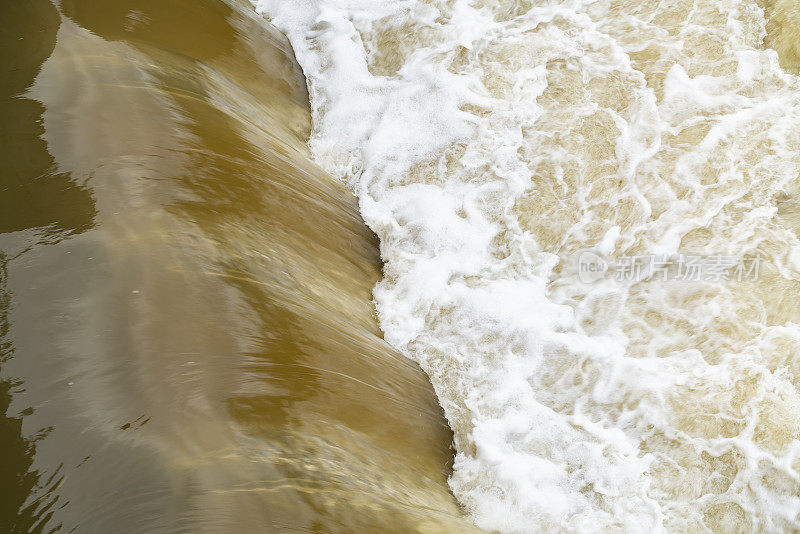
186,331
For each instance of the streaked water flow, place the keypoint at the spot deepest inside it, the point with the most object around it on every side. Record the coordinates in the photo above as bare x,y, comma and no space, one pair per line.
187,338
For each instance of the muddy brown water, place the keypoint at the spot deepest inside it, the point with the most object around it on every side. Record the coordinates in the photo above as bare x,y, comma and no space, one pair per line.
186,333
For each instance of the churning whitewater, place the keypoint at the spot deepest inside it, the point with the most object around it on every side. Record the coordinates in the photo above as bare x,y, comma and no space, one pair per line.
490,143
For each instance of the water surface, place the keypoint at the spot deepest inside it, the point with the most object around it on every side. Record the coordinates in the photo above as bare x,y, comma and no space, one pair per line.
186,331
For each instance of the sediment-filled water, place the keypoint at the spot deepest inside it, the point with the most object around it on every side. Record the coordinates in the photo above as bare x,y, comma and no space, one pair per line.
572,198
187,342
241,292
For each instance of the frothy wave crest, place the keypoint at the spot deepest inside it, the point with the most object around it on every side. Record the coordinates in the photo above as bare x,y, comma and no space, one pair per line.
489,143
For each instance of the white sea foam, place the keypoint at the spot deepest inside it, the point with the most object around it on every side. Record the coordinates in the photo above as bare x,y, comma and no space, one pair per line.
489,143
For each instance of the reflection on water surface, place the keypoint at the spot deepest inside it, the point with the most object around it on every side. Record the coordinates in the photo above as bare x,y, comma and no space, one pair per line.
186,336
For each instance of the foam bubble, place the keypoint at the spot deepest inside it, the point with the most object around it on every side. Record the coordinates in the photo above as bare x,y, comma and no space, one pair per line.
490,143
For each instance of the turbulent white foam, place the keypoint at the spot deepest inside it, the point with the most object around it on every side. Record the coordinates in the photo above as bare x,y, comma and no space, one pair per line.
488,143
